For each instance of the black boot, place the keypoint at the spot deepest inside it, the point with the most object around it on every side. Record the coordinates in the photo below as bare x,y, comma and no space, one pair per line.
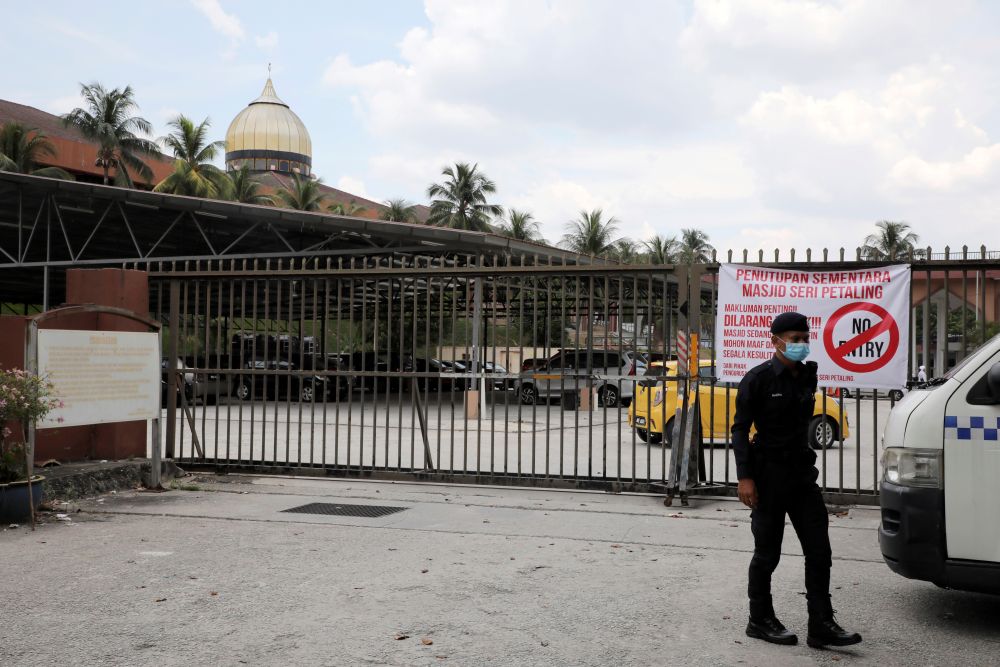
824,631
770,629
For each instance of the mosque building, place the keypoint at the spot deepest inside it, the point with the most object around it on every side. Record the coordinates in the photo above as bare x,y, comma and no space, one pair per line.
268,136
272,141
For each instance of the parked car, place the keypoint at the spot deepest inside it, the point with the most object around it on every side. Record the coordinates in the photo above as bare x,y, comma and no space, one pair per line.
490,368
374,362
892,394
652,412
281,381
615,374
532,362
204,387
443,383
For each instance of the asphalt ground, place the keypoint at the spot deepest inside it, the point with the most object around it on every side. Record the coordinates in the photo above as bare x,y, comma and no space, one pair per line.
216,572
541,440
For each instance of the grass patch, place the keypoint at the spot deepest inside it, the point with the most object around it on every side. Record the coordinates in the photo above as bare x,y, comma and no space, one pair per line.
181,486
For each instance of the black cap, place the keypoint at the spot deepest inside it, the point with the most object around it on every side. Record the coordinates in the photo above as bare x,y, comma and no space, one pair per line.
789,322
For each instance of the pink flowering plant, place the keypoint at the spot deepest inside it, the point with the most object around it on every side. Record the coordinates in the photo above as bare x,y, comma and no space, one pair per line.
24,399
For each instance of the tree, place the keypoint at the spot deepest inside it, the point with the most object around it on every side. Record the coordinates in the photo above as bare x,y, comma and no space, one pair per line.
399,210
661,249
460,202
109,122
22,147
892,241
694,247
626,251
245,190
520,225
194,174
591,234
302,194
352,209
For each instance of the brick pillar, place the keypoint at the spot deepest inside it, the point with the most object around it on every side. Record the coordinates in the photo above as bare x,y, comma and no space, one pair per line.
105,287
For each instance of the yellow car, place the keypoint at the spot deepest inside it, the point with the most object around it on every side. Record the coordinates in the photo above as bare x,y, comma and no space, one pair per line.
653,406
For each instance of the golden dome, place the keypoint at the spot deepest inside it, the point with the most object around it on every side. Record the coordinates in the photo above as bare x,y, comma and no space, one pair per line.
268,136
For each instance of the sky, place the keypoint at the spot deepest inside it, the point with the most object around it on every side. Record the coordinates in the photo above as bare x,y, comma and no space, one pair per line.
767,124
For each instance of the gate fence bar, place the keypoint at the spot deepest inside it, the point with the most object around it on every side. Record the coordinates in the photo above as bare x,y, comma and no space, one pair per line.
496,369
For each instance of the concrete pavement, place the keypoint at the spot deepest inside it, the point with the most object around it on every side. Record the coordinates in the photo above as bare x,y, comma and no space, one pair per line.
218,574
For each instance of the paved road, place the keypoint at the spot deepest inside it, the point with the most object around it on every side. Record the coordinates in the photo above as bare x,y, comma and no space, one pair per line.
222,575
539,440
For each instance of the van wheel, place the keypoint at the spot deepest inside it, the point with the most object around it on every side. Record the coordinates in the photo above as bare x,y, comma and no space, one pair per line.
609,396
822,432
895,395
529,395
307,393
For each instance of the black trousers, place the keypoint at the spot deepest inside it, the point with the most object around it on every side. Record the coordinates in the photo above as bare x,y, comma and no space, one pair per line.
788,487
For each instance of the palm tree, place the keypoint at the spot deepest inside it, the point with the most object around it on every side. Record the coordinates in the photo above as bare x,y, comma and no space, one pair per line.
245,190
302,194
661,249
591,234
892,241
194,174
399,210
626,251
109,122
520,225
352,209
694,247
22,147
460,202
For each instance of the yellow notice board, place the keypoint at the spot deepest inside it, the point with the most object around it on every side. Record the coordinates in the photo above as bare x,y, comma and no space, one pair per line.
100,376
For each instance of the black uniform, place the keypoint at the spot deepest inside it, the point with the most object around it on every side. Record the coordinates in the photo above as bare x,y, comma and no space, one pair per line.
781,463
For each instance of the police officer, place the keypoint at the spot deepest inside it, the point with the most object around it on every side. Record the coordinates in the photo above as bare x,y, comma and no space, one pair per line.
777,476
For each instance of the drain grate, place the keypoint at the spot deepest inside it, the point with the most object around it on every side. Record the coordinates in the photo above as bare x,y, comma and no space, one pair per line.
373,511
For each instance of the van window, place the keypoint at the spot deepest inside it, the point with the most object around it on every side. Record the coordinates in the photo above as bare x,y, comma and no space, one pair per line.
706,372
613,360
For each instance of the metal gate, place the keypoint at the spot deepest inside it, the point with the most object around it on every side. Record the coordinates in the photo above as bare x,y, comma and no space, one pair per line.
484,369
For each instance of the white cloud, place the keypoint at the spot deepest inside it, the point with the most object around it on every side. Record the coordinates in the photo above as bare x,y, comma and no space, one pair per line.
766,123
980,166
225,24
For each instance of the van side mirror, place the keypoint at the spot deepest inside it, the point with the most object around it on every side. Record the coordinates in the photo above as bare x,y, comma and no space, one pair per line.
993,381
986,391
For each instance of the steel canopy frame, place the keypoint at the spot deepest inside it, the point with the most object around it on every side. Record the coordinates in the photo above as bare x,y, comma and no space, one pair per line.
48,225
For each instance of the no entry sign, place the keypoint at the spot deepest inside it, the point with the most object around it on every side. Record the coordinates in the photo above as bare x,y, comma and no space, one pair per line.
857,319
860,349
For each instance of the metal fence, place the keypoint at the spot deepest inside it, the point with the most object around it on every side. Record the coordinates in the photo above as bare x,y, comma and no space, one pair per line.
488,370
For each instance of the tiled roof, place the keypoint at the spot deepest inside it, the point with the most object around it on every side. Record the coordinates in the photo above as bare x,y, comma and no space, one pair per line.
49,124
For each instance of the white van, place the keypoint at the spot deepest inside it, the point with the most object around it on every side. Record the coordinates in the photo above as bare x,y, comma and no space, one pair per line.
941,478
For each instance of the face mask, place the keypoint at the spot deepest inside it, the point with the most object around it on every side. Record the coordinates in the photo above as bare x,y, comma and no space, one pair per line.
796,351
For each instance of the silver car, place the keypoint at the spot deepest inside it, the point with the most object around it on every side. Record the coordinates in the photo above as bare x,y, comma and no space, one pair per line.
614,375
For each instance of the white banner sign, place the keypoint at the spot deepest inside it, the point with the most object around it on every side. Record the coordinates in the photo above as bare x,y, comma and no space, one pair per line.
859,321
100,376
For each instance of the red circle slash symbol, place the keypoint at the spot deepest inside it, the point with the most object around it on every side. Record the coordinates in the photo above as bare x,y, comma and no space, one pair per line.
839,353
